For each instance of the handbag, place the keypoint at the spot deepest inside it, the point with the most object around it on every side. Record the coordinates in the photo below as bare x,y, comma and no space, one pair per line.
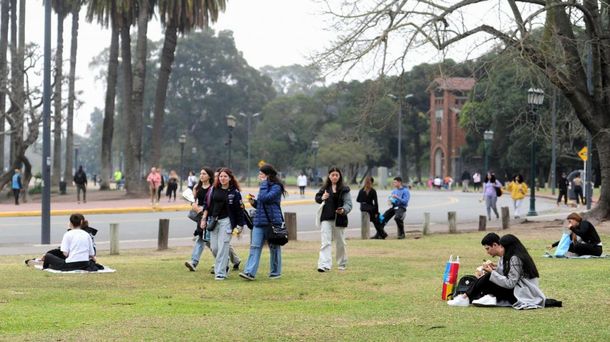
194,215
248,219
498,191
211,224
279,233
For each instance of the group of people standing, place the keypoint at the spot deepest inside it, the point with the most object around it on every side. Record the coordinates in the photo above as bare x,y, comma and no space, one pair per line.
157,181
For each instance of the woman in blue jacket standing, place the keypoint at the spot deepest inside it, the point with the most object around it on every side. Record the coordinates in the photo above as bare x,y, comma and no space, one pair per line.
223,213
267,208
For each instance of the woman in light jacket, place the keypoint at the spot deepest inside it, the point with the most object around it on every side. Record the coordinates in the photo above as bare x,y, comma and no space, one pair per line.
268,211
518,189
333,219
514,282
224,207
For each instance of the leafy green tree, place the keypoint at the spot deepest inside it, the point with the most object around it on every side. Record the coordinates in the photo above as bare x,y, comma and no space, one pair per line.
294,79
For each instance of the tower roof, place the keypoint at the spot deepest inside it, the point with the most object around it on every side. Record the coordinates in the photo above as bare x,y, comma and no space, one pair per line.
453,83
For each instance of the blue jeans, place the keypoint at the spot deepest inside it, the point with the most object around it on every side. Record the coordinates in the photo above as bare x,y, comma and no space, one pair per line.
259,236
198,248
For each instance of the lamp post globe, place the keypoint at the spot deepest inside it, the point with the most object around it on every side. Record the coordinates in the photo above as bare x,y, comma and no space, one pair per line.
231,123
315,145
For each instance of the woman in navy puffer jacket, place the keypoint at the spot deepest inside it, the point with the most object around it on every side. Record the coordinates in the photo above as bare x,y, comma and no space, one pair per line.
269,199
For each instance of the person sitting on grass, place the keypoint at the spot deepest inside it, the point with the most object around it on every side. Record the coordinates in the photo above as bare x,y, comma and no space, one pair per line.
585,240
514,280
76,246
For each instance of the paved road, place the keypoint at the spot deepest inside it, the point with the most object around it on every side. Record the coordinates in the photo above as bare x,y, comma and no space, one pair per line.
141,229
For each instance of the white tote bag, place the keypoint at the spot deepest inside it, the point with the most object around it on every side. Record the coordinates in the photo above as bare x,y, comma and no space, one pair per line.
319,213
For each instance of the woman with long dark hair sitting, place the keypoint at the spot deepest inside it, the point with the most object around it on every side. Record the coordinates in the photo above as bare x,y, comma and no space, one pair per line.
513,281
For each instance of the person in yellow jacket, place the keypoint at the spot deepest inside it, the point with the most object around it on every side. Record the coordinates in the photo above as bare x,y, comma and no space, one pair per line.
518,189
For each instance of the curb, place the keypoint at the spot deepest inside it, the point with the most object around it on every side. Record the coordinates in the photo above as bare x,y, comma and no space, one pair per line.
101,211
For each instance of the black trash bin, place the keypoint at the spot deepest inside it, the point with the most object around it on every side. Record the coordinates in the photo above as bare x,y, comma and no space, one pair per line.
62,187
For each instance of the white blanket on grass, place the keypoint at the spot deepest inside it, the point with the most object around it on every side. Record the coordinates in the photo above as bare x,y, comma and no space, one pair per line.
548,255
105,270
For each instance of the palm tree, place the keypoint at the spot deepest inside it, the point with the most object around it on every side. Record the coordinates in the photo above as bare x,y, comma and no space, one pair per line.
177,16
62,9
75,6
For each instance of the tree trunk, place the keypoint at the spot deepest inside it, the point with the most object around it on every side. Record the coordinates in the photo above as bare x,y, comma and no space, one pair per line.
602,142
133,159
127,89
71,95
56,173
167,58
108,126
14,78
4,18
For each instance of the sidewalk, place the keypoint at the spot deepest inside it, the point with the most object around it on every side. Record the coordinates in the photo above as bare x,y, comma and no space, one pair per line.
116,202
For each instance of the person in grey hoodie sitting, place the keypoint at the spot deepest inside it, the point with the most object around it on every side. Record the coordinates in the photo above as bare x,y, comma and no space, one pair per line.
513,282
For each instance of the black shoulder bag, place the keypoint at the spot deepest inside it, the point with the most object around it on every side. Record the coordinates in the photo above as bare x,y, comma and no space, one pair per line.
278,234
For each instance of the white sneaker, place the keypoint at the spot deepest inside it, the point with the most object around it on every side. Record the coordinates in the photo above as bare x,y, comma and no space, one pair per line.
486,300
460,300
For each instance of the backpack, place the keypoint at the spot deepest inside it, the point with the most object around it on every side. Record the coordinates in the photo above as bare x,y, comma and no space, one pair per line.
464,284
498,192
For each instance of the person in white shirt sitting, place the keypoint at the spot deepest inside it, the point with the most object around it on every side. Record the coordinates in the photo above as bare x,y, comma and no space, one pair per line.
76,246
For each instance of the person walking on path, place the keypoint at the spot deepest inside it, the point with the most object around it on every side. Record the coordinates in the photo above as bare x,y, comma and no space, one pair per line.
491,187
302,183
268,212
577,184
399,201
201,236
367,197
191,180
80,180
562,185
154,181
16,185
518,189
172,185
223,215
162,185
465,181
333,219
476,181
118,177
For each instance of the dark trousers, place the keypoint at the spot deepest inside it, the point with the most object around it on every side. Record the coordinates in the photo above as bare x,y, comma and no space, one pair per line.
159,190
578,194
79,188
399,216
563,193
374,218
484,286
16,193
54,262
585,249
301,190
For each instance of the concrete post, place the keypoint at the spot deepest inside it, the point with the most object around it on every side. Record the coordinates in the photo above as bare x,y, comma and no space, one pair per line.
505,218
163,234
482,223
426,227
451,216
365,225
291,225
114,239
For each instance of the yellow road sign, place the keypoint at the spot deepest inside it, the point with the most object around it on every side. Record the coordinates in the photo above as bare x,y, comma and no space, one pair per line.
583,153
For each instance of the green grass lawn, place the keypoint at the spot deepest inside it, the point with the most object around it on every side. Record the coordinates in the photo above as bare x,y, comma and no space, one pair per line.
391,291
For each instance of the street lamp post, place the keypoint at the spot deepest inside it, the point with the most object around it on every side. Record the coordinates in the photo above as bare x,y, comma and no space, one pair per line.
535,97
488,137
315,145
231,122
182,141
45,209
76,146
399,153
249,122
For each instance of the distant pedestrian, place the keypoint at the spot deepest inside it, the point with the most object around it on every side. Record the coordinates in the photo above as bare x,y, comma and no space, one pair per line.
302,183
518,189
191,180
163,184
154,181
577,186
80,180
476,181
172,185
490,194
333,219
367,197
438,183
95,180
562,184
465,181
118,178
16,185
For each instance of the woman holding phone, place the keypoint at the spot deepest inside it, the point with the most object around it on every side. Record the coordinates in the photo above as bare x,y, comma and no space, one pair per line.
333,220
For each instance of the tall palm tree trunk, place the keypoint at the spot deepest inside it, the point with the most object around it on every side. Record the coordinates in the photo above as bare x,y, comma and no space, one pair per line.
167,58
108,125
56,174
4,18
71,94
127,90
133,161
